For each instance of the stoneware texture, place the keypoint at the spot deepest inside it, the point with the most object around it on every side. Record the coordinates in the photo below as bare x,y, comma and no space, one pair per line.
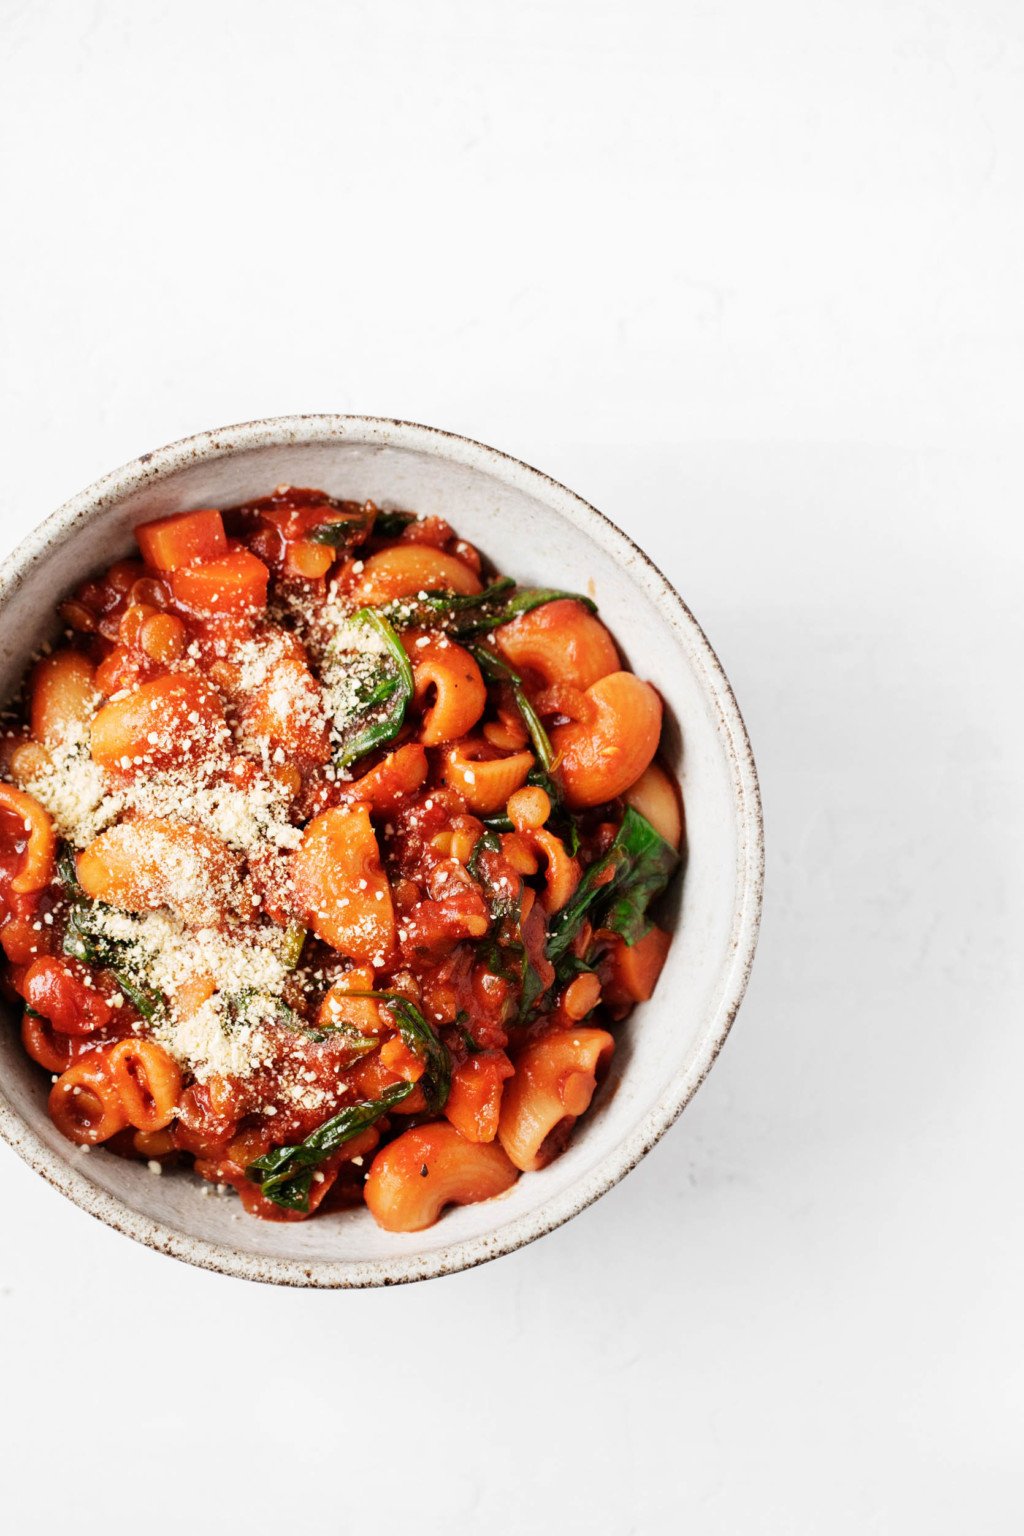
539,532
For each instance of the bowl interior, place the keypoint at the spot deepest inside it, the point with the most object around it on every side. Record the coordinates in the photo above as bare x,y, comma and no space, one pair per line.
540,534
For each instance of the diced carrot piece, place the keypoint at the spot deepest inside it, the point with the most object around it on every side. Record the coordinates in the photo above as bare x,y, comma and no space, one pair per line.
308,559
234,583
635,968
173,542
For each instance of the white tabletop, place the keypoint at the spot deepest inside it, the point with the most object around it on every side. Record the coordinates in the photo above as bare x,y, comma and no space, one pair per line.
748,277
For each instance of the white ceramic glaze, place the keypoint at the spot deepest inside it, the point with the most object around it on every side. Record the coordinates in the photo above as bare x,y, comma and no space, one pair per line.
539,532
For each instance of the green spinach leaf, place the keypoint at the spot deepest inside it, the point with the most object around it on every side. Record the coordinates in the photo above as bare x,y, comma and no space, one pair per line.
381,684
390,524
285,1175
424,1042
617,890
464,614
342,532
85,940
498,670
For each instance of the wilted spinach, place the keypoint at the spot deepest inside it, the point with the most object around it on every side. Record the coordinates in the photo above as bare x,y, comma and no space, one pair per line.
617,890
382,689
86,940
423,1041
285,1175
464,614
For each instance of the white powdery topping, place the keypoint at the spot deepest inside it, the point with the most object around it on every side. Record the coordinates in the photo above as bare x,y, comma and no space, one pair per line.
348,669
74,790
213,1039
246,819
208,1045
256,659
83,802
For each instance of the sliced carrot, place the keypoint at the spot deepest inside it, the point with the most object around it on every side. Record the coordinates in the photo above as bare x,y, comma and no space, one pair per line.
235,583
172,542
635,968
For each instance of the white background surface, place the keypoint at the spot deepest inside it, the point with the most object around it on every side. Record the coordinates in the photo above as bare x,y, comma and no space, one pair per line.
748,277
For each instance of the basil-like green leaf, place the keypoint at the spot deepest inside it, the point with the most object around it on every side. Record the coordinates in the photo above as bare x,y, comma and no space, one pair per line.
492,666
618,888
341,532
390,524
504,952
524,601
439,604
285,1175
487,842
424,1042
382,697
251,1004
473,613
85,941
67,870
653,862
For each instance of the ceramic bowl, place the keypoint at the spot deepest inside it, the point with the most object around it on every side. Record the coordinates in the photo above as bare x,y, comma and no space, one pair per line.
542,534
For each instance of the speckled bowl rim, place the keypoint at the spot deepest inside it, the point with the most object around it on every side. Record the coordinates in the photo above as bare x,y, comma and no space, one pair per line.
223,442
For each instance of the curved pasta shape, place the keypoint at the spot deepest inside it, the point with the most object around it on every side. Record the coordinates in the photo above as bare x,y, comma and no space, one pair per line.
148,1082
447,675
431,1166
602,754
563,871
554,1082
286,712
38,864
84,1103
656,796
524,851
151,862
62,696
474,1100
172,720
561,642
405,569
51,1050
341,886
484,782
401,773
